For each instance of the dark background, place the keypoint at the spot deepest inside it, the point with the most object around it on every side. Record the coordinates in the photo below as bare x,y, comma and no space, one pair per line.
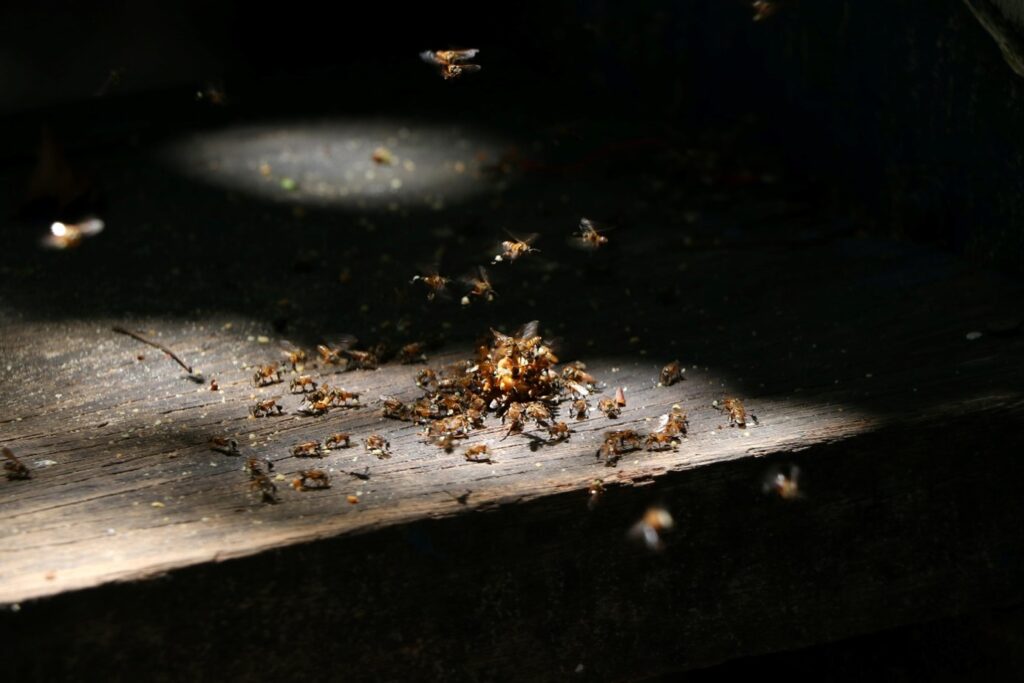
904,110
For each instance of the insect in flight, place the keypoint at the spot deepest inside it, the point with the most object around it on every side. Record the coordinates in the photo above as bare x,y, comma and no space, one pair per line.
589,237
435,283
68,235
451,63
480,286
514,248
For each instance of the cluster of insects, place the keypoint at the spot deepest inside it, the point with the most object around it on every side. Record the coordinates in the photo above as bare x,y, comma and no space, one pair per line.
671,428
513,376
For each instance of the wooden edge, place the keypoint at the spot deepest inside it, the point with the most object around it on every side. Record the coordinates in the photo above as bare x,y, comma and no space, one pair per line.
895,526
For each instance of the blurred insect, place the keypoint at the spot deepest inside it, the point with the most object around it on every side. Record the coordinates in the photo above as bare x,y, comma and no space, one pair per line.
738,415
514,415
426,379
675,422
308,449
13,467
451,63
112,81
783,481
446,442
595,492
383,156
579,409
214,386
535,410
339,440
311,479
257,466
363,476
302,383
352,500
412,353
396,410
435,283
559,431
609,407
266,375
224,445
69,235
577,372
331,356
618,443
480,286
296,357
620,397
671,373
267,489
589,237
655,523
377,445
361,360
461,499
266,408
661,440
316,407
212,93
765,8
344,398
514,248
478,453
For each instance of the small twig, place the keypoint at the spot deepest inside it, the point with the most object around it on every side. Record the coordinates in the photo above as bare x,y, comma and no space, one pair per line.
121,330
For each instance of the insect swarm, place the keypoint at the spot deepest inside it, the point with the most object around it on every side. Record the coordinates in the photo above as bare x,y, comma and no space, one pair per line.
302,384
266,408
451,63
339,440
514,248
307,449
670,374
266,375
13,467
655,523
377,445
309,480
589,237
737,413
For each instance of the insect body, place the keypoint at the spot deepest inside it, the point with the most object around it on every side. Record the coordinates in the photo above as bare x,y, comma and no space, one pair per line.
738,415
589,236
451,63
